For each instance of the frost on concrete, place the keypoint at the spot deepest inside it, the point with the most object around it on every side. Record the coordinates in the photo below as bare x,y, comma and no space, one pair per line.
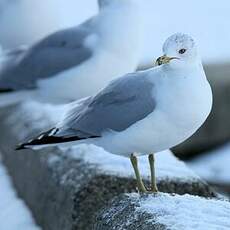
186,212
35,116
13,212
213,166
164,211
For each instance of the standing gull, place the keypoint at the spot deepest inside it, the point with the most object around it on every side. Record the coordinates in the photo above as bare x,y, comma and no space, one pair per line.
143,112
77,62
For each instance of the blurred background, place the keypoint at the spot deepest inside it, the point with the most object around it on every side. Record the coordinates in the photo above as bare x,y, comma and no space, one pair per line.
23,22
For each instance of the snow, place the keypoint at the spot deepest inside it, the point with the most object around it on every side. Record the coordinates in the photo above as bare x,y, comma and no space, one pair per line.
38,115
13,212
207,22
213,166
167,165
186,212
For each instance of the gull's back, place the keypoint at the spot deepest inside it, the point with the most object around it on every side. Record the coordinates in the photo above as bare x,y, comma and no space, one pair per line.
122,103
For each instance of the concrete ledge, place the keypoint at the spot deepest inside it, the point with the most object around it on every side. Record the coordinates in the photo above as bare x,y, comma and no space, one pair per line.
66,188
122,213
163,211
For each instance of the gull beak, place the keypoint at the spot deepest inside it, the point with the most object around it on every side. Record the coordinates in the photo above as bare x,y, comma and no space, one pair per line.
164,60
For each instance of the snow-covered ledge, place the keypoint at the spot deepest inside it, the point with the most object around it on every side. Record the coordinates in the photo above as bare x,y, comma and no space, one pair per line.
164,211
66,188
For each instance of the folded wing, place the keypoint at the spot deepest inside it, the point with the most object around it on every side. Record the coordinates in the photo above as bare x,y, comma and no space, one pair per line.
57,52
122,103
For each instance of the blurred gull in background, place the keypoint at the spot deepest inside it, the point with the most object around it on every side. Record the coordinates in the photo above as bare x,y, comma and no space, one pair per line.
143,112
76,62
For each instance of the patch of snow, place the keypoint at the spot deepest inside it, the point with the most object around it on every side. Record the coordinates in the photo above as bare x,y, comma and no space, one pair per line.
213,166
167,165
13,212
186,212
37,115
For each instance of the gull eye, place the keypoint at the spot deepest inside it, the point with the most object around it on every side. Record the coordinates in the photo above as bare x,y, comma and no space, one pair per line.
182,51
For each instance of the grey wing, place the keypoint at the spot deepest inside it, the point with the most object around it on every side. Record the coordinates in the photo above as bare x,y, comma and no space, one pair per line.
55,53
124,102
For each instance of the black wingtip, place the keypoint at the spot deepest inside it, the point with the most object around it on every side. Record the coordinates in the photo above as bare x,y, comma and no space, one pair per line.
40,140
48,138
3,90
20,147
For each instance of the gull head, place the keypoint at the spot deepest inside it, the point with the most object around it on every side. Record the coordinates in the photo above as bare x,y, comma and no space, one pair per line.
180,51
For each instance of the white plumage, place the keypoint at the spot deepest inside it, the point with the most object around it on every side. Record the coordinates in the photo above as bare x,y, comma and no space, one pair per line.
181,96
176,99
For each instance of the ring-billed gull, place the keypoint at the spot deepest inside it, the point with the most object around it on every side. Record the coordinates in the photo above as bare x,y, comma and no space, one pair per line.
77,62
144,112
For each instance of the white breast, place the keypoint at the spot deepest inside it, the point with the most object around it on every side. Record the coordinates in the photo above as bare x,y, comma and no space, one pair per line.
183,106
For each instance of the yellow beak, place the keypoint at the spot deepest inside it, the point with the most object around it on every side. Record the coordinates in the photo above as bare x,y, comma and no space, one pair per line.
164,60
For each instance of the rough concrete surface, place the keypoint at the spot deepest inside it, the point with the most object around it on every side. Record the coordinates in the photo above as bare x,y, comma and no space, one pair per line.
163,211
121,214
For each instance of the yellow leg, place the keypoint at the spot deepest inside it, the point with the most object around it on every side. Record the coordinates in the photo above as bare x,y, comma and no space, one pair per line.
140,184
153,176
